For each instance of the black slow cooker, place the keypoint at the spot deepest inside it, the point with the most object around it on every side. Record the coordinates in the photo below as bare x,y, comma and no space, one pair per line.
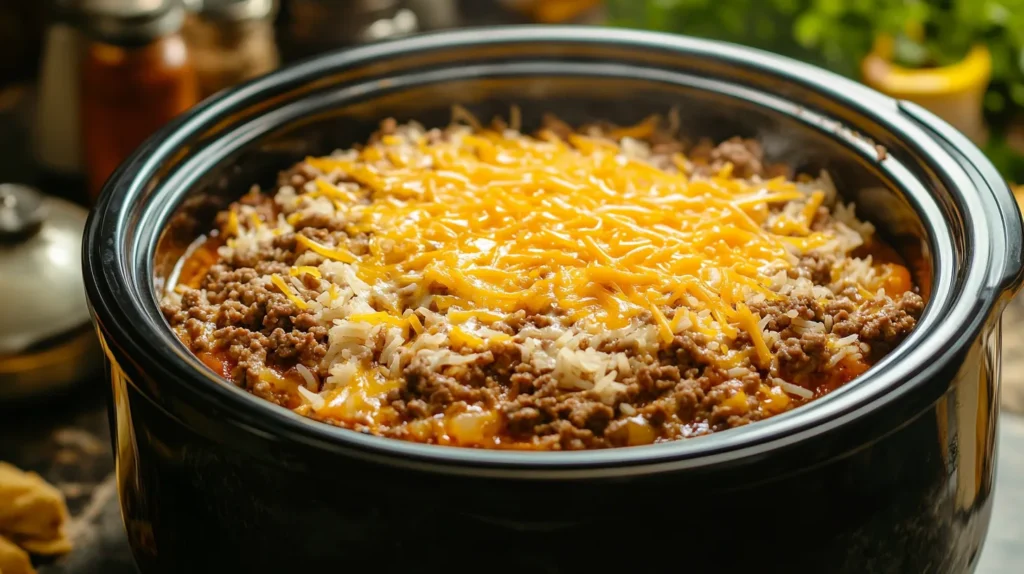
891,473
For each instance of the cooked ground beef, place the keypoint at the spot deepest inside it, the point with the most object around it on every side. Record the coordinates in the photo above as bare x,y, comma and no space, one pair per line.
266,315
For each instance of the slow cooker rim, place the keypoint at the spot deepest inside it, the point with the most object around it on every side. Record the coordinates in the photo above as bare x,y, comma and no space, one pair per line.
127,178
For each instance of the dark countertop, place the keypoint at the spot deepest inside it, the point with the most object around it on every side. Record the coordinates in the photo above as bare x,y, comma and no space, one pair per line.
67,441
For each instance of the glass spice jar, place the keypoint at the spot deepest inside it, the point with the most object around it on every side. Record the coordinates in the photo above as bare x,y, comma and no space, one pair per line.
136,76
230,41
56,142
314,26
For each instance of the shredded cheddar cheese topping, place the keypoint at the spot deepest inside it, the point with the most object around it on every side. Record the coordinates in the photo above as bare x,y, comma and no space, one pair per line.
576,227
337,254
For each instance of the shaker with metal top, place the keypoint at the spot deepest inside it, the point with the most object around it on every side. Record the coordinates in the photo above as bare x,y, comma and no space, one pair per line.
314,26
136,76
47,342
230,41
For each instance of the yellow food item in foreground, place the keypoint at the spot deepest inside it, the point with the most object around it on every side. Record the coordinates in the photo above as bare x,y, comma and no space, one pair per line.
32,512
14,560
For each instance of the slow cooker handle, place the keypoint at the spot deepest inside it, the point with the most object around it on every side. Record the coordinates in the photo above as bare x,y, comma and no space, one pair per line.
973,160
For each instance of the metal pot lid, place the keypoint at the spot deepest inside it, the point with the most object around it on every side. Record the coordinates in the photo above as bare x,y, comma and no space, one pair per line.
41,287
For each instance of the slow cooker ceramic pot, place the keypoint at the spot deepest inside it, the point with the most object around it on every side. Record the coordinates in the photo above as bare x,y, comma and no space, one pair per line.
891,473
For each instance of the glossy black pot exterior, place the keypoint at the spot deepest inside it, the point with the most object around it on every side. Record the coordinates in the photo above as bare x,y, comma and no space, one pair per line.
892,473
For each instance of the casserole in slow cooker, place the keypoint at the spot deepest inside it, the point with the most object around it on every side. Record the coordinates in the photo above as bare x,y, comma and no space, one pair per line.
890,472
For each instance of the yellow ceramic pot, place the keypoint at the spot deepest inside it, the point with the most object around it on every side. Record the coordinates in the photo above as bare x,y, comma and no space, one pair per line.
955,92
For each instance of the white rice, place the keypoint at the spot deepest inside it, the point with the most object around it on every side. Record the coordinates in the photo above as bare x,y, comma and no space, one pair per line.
792,389
315,401
307,376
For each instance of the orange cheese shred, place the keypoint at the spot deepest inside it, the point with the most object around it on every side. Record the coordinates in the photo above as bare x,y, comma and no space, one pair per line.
288,291
490,222
749,322
415,324
335,253
304,270
462,338
377,318
231,228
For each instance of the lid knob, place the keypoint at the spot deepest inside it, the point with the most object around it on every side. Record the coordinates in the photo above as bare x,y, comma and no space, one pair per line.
22,211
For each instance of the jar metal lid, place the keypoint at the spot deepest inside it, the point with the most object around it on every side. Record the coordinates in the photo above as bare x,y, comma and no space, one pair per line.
40,269
233,10
130,22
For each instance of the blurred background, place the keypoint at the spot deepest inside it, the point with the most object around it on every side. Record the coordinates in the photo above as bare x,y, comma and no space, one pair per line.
963,59
83,82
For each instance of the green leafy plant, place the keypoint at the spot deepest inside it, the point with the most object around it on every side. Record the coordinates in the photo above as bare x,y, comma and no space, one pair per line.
765,24
838,34
925,33
933,33
843,32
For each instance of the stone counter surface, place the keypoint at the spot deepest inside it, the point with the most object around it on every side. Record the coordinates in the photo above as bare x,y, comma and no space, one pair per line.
1013,357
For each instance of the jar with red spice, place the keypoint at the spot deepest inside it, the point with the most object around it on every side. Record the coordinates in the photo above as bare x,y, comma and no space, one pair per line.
136,76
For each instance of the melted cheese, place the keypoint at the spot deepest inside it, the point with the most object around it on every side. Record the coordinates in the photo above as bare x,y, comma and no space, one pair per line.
288,291
335,253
